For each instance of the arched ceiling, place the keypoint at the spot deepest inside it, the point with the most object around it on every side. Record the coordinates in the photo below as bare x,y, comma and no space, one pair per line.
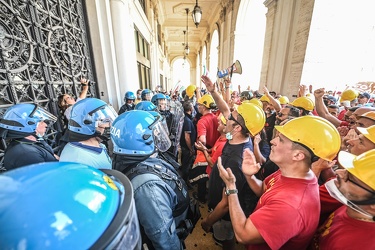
173,21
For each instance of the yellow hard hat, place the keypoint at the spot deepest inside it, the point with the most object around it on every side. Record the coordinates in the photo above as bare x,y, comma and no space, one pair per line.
284,100
253,116
255,101
303,102
207,101
368,132
369,115
264,98
361,166
190,90
314,132
348,95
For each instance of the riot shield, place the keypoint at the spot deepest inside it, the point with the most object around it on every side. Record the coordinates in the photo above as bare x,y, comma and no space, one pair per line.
175,128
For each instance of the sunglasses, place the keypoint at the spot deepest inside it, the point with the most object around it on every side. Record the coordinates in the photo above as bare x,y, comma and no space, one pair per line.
355,183
281,114
231,118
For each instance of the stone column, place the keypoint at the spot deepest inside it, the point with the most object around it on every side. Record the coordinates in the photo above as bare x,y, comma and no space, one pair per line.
125,56
288,24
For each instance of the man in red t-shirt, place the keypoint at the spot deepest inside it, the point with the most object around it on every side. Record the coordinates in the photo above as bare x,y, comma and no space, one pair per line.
350,226
363,143
207,134
287,213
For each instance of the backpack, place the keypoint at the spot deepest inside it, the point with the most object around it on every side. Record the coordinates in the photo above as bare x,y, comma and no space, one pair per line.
168,174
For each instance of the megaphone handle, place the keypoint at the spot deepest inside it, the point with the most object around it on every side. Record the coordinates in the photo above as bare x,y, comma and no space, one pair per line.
231,70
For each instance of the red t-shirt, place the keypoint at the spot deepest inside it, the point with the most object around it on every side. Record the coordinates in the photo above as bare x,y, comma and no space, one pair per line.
207,125
217,149
342,232
287,214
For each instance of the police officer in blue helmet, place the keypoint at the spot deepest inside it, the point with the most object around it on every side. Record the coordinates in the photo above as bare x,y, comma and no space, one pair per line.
160,101
146,95
161,196
153,110
25,126
65,205
88,129
129,102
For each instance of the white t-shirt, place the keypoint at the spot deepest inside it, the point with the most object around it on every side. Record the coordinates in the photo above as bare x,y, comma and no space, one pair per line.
69,110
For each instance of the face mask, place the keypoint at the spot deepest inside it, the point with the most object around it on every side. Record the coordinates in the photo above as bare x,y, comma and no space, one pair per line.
335,193
229,136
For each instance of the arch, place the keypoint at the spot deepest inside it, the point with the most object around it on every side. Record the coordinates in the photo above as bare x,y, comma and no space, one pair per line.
214,54
204,60
249,43
181,73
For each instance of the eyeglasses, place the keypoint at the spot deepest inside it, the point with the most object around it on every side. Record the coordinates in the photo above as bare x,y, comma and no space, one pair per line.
231,118
281,114
355,183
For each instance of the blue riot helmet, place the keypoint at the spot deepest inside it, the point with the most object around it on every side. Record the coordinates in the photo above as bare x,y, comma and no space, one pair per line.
65,205
146,106
152,109
138,132
129,96
158,96
146,95
160,101
24,118
89,114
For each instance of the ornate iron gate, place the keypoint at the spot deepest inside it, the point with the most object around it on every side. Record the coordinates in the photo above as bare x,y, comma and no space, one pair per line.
44,51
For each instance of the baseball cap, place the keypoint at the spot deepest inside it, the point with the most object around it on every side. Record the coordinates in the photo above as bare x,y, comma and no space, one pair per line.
331,98
364,94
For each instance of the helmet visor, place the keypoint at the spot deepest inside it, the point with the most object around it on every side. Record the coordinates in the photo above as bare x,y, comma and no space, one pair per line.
161,138
105,115
43,115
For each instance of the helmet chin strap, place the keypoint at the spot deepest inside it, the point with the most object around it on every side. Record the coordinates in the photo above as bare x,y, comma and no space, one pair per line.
38,137
106,134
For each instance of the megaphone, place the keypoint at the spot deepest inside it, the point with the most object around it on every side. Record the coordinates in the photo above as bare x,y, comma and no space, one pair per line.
234,68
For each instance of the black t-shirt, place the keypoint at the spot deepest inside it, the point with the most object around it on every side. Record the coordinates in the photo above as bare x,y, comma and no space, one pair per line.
188,127
232,158
268,168
24,152
269,126
126,107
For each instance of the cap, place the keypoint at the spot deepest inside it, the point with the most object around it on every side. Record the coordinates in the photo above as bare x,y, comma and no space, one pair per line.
364,94
331,98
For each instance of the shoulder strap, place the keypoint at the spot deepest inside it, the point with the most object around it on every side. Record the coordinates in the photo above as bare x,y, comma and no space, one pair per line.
168,175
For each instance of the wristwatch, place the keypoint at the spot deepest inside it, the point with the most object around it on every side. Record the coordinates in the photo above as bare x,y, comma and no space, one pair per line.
231,191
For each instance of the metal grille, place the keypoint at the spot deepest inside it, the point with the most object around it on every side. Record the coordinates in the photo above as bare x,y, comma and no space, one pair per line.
44,52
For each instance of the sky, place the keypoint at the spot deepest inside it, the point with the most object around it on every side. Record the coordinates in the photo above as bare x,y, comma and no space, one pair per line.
341,46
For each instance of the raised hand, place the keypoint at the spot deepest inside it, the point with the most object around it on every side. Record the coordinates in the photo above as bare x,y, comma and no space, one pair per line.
265,91
319,93
210,86
249,163
226,174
